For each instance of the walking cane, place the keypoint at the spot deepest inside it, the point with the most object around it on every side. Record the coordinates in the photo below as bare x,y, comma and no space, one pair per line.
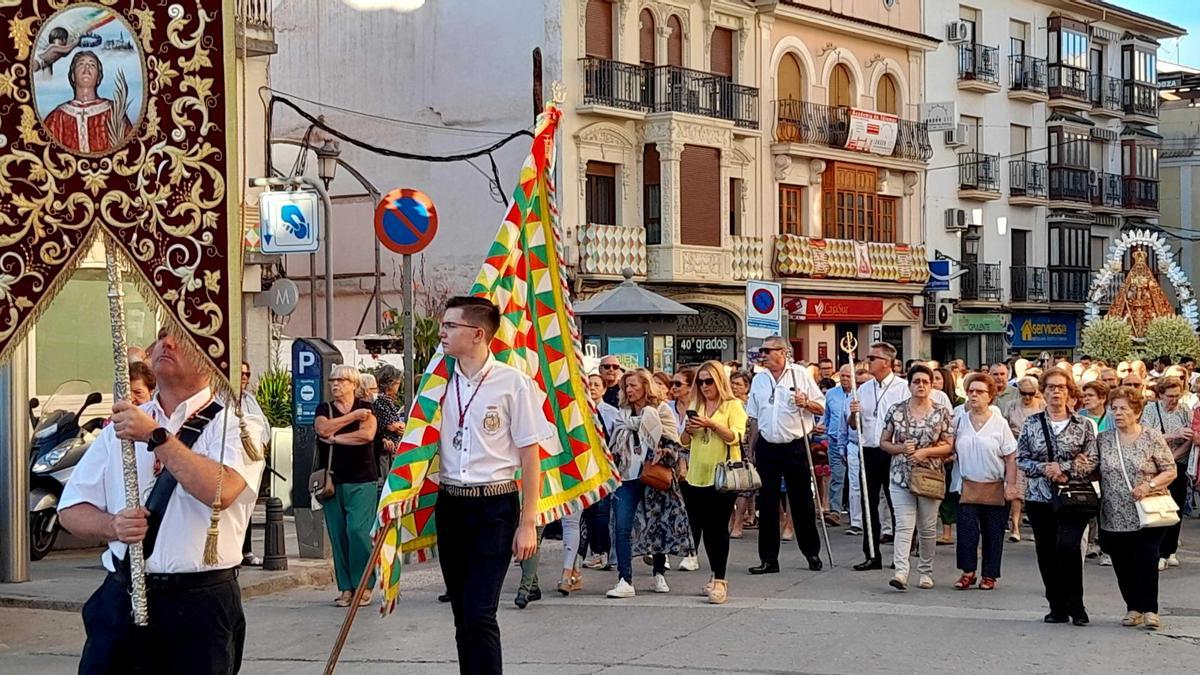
849,345
812,479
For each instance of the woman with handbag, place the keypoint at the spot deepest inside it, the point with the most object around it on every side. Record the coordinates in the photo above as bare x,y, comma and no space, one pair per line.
345,430
1136,467
943,381
635,435
1056,451
917,434
1170,417
714,431
986,454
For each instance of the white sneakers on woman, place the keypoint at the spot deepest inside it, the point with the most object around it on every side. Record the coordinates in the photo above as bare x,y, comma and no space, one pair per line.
623,589
925,582
660,584
689,564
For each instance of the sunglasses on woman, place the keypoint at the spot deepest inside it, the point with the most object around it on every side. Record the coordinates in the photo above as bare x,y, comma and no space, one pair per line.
705,380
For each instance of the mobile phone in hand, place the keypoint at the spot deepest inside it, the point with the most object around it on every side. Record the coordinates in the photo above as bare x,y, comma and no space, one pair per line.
691,413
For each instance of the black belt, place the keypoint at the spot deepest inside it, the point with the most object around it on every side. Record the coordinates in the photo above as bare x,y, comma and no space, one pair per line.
490,490
184,581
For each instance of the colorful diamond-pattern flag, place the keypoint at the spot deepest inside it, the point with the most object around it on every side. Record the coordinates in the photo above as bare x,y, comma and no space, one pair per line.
523,274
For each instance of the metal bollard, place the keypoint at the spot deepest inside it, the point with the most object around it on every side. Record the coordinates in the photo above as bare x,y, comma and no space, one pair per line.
275,548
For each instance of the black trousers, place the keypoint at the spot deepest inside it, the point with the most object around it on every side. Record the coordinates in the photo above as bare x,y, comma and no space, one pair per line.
198,630
986,522
789,462
475,537
1135,562
708,513
595,535
1179,490
878,465
1057,538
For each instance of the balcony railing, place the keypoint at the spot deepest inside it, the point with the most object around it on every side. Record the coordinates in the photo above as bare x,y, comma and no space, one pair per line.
1026,178
1070,184
1140,99
1027,73
799,256
609,249
820,124
1140,193
1069,285
255,13
1106,191
1105,92
981,282
979,62
1068,82
668,89
1028,284
977,171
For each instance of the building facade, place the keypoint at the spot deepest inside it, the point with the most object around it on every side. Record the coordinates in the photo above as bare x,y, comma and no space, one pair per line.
1179,161
1054,152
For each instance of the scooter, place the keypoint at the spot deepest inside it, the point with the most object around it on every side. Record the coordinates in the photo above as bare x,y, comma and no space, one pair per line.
58,443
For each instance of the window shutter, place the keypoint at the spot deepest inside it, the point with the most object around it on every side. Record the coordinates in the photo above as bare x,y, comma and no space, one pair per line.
598,40
722,52
700,196
651,165
675,42
646,38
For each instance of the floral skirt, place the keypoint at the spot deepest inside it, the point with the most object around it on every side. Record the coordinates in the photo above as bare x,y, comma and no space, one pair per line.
661,524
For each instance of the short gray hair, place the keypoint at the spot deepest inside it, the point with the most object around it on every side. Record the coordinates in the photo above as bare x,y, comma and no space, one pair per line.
885,347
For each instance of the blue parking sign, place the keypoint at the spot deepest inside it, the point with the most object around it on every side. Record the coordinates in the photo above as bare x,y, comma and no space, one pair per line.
290,221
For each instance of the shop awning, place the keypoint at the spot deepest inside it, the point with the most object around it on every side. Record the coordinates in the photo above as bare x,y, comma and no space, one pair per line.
630,299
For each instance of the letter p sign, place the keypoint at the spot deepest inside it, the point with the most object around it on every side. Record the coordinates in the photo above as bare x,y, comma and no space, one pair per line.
307,360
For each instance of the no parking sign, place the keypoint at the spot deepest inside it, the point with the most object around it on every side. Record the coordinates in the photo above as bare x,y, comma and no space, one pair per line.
405,221
764,309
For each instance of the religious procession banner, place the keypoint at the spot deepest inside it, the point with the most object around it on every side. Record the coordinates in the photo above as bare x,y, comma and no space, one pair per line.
523,274
117,120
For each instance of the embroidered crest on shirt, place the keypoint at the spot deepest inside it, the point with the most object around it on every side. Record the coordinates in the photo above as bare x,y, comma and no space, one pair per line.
491,420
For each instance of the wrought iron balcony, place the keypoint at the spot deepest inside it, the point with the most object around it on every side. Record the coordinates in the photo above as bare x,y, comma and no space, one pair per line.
1140,98
1026,179
1106,191
668,89
981,281
1069,284
820,124
1105,93
255,27
1027,73
1068,82
1140,193
977,171
979,62
1028,284
1069,184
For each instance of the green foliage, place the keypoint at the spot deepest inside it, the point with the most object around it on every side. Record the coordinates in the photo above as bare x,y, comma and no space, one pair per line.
1170,336
425,336
275,396
1109,339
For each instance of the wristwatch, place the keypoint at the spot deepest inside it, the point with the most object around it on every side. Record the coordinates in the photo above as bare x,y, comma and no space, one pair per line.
157,438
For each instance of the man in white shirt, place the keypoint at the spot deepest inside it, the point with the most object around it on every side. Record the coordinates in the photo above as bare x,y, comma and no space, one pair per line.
875,397
782,402
195,610
491,428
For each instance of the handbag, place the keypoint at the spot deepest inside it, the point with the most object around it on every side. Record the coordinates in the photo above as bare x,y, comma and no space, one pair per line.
740,476
656,475
987,493
1153,510
925,481
320,482
1075,497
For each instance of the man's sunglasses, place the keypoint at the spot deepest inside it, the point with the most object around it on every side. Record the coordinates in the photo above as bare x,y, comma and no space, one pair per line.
767,350
610,366
1028,393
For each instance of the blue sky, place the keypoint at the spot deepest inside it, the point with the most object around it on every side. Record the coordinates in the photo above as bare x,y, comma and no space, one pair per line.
1181,13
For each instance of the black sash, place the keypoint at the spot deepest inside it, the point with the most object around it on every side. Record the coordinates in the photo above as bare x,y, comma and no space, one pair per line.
164,487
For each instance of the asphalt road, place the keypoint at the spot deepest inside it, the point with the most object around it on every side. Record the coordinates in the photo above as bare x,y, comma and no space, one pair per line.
833,621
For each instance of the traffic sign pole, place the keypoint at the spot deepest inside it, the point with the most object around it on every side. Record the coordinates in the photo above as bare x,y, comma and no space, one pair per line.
407,295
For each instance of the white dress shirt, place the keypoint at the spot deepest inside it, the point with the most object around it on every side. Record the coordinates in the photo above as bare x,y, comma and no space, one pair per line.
875,399
98,480
771,403
501,416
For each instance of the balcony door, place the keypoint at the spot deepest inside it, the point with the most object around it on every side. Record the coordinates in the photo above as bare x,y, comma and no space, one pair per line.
598,37
1020,248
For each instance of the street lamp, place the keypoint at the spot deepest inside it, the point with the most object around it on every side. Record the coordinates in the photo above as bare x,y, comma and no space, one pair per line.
970,243
327,163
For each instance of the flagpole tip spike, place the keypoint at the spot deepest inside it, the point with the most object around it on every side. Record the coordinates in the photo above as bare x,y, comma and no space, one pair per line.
558,92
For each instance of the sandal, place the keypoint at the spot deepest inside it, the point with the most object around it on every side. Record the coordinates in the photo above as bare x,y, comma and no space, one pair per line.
344,599
966,581
987,584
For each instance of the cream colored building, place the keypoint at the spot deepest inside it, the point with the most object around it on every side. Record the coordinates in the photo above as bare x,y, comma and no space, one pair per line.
1179,161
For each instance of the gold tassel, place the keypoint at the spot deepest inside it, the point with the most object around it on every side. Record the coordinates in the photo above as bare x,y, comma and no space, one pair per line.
249,443
210,542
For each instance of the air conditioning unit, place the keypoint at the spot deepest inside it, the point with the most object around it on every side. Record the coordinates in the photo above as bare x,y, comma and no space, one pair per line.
958,31
957,137
956,220
938,314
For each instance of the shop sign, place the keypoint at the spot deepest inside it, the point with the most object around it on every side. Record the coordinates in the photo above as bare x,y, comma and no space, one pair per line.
939,276
871,131
694,350
1041,331
833,310
979,323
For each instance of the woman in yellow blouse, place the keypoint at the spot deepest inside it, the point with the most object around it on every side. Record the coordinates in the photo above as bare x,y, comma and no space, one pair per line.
715,427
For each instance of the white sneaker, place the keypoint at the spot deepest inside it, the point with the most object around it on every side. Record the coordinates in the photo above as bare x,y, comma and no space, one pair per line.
926,582
1162,564
1172,560
660,584
689,564
623,589
597,562
1105,560
667,563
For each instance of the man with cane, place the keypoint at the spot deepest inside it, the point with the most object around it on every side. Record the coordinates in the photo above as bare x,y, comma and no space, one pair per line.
783,399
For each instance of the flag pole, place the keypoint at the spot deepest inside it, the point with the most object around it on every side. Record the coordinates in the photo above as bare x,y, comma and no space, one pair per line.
352,611
849,345
116,315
